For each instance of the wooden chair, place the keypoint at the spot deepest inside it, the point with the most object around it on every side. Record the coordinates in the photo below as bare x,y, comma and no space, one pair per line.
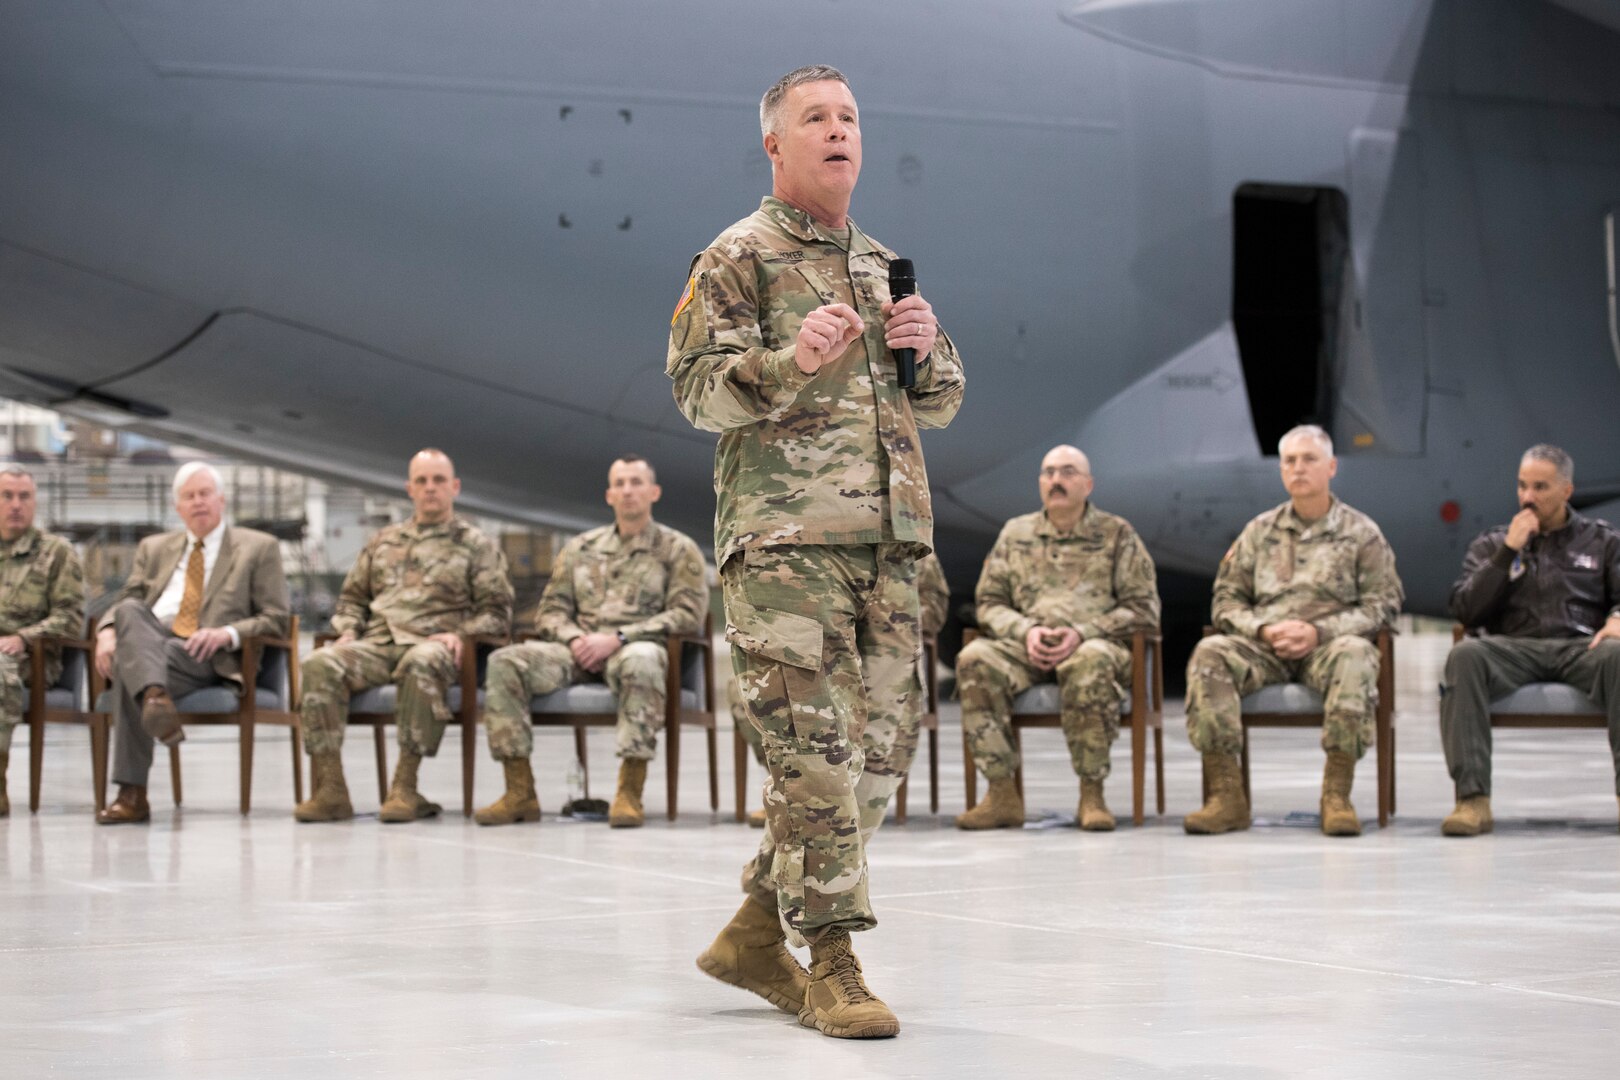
1041,707
375,708
270,671
1295,705
67,701
1542,704
929,722
688,700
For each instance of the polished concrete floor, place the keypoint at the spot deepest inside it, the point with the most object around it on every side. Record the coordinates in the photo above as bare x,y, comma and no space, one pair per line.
209,945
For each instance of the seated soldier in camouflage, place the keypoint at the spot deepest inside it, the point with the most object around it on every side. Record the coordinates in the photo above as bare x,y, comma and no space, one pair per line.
1298,598
41,595
415,590
616,594
1059,598
933,603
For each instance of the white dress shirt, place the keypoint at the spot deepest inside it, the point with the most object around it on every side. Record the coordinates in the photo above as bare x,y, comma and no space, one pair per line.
168,604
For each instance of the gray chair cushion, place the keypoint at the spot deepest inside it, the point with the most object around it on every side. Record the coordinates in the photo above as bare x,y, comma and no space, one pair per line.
593,698
382,700
1045,698
1283,698
210,699
1545,697
65,699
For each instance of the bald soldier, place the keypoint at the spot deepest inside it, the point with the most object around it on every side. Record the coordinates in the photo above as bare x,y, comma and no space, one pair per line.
615,595
1299,597
41,596
933,604
781,342
1059,598
415,590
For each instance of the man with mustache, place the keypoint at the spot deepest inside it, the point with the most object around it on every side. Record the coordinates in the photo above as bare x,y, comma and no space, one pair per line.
1060,596
1299,597
1542,596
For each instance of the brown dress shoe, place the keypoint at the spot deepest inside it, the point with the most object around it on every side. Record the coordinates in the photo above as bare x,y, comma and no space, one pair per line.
129,808
159,718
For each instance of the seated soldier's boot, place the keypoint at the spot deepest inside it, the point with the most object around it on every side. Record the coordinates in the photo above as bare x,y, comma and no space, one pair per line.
5,800
404,802
329,793
752,952
837,1002
1094,815
1471,817
1338,815
128,808
520,803
1001,808
756,818
159,718
1226,809
626,813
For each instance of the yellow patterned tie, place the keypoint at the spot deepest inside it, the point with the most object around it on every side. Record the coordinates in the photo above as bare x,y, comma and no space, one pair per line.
185,623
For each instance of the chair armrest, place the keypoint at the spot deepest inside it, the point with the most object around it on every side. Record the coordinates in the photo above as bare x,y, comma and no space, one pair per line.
325,637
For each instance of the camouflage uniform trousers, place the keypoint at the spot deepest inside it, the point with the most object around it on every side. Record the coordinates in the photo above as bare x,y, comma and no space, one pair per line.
424,674
14,674
824,647
1224,669
517,673
739,719
1092,679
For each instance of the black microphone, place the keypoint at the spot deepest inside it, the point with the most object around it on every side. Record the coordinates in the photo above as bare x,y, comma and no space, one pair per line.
903,283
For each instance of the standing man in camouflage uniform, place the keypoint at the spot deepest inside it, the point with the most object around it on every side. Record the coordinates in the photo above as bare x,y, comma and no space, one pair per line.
1542,595
1299,597
1059,598
933,601
412,594
781,343
41,595
616,594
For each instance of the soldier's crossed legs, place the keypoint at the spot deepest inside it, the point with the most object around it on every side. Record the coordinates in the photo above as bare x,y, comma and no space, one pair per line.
1092,679
423,673
1224,669
635,674
817,633
1479,670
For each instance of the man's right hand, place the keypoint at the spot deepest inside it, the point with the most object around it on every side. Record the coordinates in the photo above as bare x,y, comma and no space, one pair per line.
824,335
1048,646
106,646
1524,525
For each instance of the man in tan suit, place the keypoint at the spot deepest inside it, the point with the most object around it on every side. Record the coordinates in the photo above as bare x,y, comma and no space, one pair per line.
178,624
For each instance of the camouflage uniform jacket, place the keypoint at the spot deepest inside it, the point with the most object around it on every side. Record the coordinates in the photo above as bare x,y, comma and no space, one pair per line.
1336,573
41,589
413,581
933,595
648,587
1098,579
829,458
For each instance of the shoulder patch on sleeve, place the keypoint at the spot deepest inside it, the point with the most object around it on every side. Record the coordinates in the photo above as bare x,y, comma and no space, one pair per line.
686,298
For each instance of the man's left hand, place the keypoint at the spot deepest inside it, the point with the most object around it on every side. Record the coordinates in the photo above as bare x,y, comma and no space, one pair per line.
205,643
452,642
592,650
1293,639
1610,629
911,325
13,645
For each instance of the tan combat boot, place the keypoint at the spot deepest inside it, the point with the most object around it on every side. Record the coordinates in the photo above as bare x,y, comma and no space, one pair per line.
756,818
1338,815
1001,808
837,1002
1094,815
751,952
1471,817
329,794
1226,810
520,803
625,813
404,802
5,800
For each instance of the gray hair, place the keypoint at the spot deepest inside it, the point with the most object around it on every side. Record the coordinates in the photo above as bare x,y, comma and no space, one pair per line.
1313,431
16,470
770,106
192,468
1555,456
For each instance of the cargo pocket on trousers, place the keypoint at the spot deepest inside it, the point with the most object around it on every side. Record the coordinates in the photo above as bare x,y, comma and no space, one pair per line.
782,636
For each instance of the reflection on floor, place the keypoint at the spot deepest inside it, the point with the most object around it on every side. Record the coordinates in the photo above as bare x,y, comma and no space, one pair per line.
208,945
